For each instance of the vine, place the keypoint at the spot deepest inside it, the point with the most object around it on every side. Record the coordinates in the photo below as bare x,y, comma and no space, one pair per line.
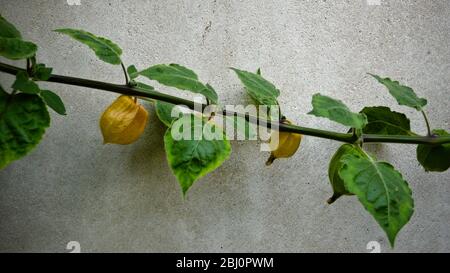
381,189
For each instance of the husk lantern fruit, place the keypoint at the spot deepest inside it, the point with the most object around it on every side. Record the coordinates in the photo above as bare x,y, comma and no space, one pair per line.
123,122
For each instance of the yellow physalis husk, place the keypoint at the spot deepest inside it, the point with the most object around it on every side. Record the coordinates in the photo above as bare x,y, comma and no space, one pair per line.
286,146
123,122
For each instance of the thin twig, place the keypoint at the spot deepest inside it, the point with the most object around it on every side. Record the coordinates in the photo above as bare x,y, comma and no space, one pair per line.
427,122
127,80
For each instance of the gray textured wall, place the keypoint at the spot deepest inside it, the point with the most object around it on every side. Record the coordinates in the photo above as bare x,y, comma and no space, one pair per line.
111,198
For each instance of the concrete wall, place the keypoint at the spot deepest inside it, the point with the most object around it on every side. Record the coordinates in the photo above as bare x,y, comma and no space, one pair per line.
111,198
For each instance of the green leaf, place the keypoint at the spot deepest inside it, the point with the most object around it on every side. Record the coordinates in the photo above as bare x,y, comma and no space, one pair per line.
337,111
24,84
259,89
403,94
54,102
144,87
23,120
336,165
41,72
211,94
8,30
435,158
16,49
180,77
164,112
132,72
200,154
105,49
382,191
383,121
11,44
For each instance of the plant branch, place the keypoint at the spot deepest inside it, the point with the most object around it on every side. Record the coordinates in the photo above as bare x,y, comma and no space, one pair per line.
138,92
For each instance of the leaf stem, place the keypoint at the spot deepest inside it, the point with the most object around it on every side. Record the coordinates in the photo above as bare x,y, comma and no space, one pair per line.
427,122
28,65
137,92
127,80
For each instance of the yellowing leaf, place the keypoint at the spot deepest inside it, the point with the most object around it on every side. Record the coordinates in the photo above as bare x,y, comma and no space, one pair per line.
203,150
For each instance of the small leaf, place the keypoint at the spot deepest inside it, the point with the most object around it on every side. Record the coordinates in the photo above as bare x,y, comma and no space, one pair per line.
403,94
105,49
41,72
24,84
180,77
193,158
132,72
54,102
211,94
261,90
383,121
258,72
381,190
337,111
144,87
8,30
435,158
16,49
164,112
23,120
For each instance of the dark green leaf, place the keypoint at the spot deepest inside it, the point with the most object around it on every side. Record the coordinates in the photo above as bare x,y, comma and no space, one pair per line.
261,90
41,72
382,191
337,111
8,30
23,120
200,154
54,102
403,94
383,121
435,158
16,49
164,112
335,166
132,72
24,84
3,94
105,49
180,77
